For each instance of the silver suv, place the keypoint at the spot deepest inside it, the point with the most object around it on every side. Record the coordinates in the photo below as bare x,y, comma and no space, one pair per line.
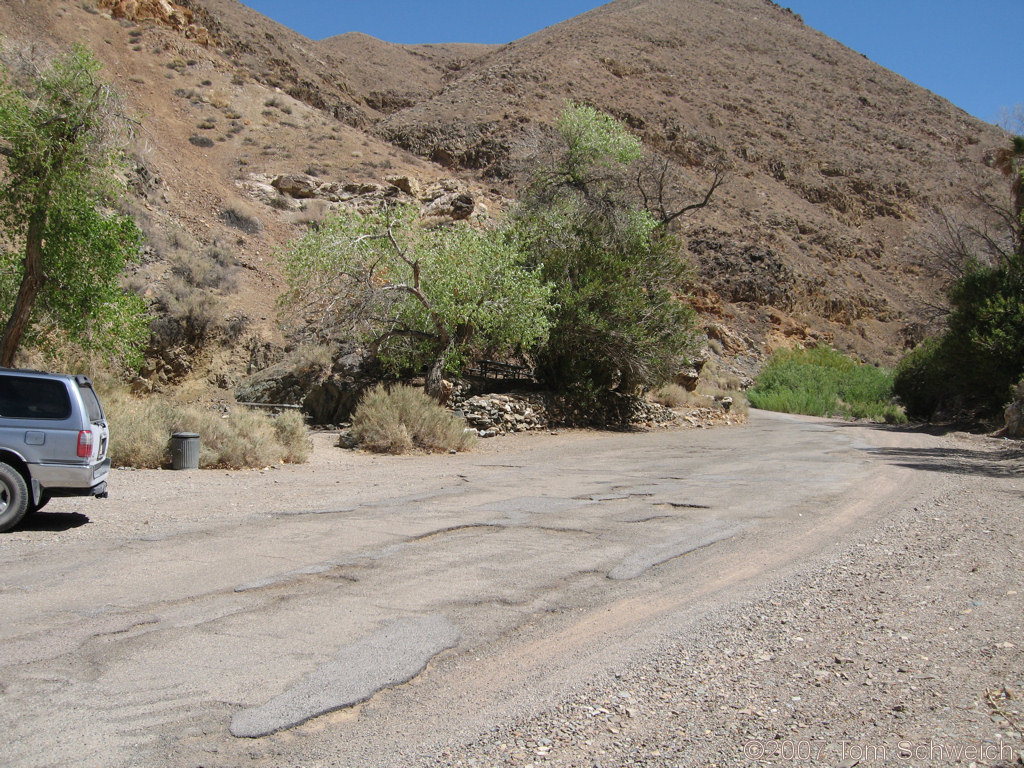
53,441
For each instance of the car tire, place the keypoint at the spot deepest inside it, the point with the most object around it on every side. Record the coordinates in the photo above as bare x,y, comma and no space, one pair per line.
13,497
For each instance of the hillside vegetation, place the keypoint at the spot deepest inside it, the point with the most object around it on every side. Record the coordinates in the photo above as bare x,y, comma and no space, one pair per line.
830,171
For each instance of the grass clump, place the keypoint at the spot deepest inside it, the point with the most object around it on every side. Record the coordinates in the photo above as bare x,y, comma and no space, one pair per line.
675,396
824,382
141,428
400,418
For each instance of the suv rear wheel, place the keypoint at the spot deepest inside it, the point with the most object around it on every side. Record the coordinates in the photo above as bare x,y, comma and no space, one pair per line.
13,497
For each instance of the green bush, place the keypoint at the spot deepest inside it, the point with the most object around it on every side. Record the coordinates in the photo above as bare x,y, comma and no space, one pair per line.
618,322
400,418
824,382
973,367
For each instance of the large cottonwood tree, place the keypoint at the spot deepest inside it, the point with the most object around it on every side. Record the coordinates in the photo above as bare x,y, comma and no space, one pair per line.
62,249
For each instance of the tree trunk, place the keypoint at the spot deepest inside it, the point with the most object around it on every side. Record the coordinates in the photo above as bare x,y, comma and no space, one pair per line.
31,283
436,387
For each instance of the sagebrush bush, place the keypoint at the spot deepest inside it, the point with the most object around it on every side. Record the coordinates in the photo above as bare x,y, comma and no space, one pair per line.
400,418
705,396
675,396
140,431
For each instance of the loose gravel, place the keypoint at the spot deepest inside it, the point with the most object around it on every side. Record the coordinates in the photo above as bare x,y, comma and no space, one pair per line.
902,646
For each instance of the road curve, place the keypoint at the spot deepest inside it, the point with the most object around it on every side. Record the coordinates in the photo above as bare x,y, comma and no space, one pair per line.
415,605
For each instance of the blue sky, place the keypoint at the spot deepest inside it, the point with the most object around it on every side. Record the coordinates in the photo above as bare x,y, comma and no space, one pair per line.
968,51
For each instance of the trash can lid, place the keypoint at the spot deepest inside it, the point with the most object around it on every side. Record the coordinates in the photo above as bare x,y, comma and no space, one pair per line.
185,435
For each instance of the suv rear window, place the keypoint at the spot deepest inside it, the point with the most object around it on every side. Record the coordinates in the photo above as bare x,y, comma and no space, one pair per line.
22,397
92,403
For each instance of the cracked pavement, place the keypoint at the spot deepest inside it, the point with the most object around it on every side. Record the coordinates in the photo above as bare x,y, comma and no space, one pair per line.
457,591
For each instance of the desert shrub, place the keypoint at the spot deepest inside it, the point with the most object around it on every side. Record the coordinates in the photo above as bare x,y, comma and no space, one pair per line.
140,431
740,404
713,377
675,396
189,307
824,382
186,317
400,418
213,269
201,141
292,433
705,396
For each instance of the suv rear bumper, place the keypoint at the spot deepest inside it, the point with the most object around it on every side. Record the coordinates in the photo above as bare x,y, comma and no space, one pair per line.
72,479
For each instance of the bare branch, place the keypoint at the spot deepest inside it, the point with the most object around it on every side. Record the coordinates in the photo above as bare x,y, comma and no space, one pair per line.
655,187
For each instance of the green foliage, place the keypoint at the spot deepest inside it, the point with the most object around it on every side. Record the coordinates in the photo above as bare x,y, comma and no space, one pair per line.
617,276
62,252
595,144
824,382
400,418
974,366
927,379
418,295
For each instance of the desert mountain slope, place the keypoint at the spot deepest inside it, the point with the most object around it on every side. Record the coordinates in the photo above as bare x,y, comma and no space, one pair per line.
391,77
838,167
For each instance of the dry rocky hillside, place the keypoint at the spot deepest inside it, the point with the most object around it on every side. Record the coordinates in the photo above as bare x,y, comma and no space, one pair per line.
837,168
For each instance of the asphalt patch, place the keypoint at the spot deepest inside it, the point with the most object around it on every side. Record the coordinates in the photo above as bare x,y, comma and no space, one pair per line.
389,657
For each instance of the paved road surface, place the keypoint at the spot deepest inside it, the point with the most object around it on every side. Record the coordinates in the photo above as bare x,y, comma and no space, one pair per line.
491,586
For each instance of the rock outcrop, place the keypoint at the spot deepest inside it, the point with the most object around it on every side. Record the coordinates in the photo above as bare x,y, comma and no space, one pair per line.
445,199
327,394
1013,415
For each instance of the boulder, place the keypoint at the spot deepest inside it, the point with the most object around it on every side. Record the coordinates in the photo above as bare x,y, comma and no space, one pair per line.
407,184
689,376
453,205
328,396
297,185
1013,415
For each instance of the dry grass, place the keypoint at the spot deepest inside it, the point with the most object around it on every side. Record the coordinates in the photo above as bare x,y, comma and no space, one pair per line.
709,394
140,431
675,396
400,418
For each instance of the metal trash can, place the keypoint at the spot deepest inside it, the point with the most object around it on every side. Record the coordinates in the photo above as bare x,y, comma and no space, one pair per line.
184,450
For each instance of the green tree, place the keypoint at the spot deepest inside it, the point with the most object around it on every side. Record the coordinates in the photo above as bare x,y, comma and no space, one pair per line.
618,279
419,297
974,365
62,252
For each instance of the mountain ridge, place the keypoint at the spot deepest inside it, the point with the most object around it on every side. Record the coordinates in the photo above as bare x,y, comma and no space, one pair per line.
839,168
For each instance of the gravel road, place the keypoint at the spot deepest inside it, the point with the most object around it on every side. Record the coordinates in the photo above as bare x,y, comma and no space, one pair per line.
796,592
901,645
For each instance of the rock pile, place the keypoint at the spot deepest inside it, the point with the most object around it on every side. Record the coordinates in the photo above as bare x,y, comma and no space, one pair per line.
616,411
492,415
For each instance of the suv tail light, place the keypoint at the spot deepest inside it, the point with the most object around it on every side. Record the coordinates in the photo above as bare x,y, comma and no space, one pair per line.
85,444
